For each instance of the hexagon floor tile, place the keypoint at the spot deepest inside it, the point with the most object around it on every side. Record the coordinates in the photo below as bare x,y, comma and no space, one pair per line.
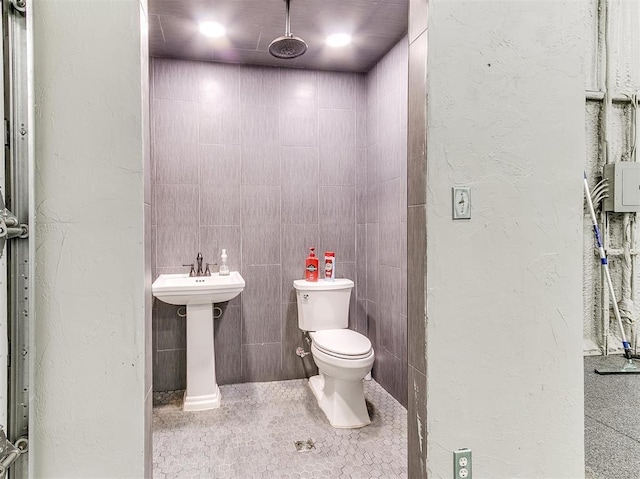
253,432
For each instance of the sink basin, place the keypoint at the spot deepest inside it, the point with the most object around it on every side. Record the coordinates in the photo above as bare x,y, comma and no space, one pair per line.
182,289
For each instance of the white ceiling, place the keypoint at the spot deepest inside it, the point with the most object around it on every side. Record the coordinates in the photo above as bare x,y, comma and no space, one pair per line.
376,25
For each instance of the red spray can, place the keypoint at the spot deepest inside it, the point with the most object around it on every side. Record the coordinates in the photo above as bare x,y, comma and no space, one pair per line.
311,266
329,265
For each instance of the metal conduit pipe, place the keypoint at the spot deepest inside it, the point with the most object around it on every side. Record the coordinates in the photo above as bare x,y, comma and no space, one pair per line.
603,87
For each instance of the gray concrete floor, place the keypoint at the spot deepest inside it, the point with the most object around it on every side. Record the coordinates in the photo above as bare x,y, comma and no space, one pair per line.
611,421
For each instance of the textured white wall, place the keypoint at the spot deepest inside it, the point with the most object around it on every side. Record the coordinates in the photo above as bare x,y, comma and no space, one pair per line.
504,350
90,382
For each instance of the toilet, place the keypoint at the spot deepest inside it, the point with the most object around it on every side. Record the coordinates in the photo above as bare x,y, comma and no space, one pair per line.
344,357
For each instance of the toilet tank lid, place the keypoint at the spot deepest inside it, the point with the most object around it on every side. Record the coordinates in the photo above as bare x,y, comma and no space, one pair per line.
322,285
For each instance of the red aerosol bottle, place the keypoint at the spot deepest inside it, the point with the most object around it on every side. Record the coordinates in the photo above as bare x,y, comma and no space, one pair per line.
311,266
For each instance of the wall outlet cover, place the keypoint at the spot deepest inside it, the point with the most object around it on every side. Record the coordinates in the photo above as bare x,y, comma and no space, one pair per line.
462,464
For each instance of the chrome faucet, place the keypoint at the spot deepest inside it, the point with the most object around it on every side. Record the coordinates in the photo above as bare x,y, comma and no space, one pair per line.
198,271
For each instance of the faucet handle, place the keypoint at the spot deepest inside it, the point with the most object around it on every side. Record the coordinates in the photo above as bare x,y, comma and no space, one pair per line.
207,272
193,271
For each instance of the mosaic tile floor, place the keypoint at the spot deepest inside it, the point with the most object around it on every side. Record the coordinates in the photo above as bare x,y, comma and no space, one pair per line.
252,435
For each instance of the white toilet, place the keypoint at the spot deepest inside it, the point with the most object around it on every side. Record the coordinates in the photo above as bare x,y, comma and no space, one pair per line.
344,357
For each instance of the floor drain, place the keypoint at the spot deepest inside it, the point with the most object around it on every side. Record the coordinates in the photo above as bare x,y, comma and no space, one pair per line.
304,446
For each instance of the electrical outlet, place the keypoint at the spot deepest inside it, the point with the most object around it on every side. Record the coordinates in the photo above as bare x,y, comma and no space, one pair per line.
462,464
461,203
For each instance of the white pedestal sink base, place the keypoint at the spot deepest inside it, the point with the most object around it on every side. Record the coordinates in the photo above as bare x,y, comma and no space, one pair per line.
202,390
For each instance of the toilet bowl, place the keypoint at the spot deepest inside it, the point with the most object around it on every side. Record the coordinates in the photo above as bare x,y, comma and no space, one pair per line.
344,357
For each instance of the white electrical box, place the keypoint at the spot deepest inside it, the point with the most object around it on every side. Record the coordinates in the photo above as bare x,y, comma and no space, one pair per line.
624,186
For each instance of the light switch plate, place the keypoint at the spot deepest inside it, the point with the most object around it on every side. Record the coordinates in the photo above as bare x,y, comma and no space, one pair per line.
461,202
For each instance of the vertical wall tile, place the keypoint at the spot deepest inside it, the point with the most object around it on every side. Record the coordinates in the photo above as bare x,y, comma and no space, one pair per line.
416,286
260,205
361,262
298,83
154,257
389,305
261,318
214,238
389,139
174,79
391,238
219,83
296,241
261,244
177,230
170,370
361,111
361,186
170,330
403,267
299,180
347,269
219,103
337,147
260,138
339,238
298,108
261,362
337,91
293,366
417,141
176,149
220,184
417,426
372,262
299,122
228,345
337,204
260,86
361,318
372,106
391,203
372,324
218,124
418,20
148,300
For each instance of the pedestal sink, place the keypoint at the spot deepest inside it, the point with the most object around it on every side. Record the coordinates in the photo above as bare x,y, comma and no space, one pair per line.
198,294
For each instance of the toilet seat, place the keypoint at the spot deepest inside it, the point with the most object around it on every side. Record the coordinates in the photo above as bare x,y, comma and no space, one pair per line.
342,343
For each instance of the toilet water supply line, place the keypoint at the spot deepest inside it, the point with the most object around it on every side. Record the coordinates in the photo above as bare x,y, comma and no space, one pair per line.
605,268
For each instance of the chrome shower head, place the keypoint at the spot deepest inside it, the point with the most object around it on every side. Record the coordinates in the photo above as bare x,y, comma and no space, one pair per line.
287,46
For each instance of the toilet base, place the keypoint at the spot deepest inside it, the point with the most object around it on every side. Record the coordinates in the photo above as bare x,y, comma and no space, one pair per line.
201,403
342,401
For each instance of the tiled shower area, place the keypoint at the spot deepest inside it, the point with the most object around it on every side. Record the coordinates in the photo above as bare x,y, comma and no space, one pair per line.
267,162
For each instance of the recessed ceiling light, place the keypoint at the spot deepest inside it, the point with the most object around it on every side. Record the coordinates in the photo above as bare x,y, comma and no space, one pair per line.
212,29
338,39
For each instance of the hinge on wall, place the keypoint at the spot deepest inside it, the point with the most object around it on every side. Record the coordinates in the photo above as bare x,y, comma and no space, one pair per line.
19,5
6,133
9,452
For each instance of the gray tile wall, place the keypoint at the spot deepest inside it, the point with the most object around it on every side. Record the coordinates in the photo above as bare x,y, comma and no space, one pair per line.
417,236
381,231
264,162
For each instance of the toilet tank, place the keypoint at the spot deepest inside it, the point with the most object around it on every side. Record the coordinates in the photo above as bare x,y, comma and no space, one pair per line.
323,304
